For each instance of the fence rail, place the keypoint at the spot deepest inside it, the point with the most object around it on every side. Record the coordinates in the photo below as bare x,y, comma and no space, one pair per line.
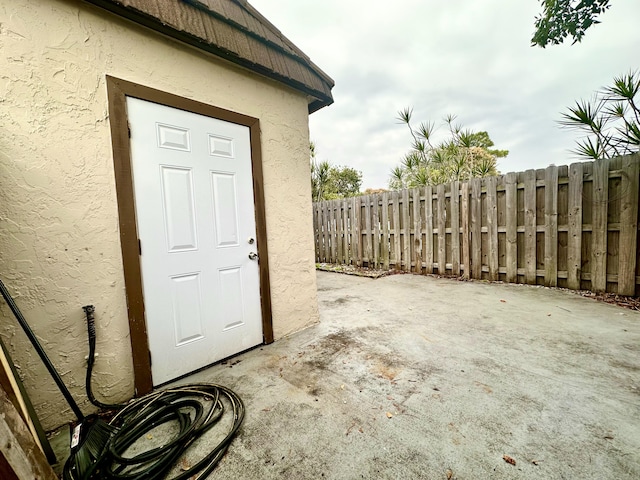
570,226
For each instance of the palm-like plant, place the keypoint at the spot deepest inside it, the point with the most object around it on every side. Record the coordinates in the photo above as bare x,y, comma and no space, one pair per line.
610,121
463,155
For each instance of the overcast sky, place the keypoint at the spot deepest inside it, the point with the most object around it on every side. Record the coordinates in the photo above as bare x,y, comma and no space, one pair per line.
465,57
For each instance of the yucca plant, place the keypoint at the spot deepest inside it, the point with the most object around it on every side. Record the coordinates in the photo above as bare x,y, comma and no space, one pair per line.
610,121
464,154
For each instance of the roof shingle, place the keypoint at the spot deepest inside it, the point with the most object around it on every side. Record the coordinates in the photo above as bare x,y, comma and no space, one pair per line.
234,31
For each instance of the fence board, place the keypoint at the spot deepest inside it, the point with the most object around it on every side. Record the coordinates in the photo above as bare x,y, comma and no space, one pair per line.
385,231
628,227
417,229
376,229
327,212
368,243
334,233
339,232
599,225
464,214
325,231
574,247
442,239
551,227
316,231
511,187
395,198
455,228
406,229
530,226
492,227
356,231
476,228
345,232
428,228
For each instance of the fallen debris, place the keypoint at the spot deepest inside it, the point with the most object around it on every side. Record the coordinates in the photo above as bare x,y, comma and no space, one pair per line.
354,270
508,459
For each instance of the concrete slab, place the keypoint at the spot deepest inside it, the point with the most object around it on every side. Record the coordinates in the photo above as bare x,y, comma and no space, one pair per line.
418,377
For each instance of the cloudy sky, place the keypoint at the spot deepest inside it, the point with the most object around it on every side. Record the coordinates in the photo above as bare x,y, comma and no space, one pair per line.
465,57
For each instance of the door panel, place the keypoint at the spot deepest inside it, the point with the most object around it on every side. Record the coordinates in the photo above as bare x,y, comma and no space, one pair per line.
195,215
179,208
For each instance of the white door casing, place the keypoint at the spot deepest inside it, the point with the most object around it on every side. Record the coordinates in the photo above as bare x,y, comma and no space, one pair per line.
194,205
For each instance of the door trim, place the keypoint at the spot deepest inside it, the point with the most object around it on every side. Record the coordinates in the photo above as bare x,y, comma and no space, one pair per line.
117,91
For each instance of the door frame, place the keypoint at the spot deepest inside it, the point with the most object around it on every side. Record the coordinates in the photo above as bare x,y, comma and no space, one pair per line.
117,91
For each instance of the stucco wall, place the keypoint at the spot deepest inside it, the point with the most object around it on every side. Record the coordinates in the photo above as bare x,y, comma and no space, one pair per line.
59,239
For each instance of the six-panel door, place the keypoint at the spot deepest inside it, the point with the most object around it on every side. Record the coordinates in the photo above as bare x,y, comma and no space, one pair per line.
195,215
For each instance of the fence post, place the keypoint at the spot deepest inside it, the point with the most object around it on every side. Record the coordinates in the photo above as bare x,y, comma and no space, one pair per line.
345,232
406,228
325,231
417,230
397,251
492,227
455,227
357,230
337,215
385,247
628,226
511,186
599,225
574,239
332,230
464,211
376,229
428,231
316,228
530,226
551,226
442,236
476,228
368,247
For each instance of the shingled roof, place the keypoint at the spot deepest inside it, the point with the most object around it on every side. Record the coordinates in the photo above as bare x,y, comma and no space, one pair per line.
234,31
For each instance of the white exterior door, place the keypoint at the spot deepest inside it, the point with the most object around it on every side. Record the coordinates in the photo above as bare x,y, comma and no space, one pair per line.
193,190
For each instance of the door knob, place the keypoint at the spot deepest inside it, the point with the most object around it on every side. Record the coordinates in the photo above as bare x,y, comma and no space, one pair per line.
253,256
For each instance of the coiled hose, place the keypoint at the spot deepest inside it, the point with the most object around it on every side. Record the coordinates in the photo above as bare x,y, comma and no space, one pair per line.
194,408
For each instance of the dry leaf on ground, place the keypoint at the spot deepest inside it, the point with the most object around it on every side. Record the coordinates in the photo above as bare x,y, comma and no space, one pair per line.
184,464
508,459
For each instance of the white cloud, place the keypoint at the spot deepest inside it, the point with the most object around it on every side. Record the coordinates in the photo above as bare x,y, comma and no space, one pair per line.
464,57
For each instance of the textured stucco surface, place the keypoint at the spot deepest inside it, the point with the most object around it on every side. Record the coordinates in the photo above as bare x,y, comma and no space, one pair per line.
59,238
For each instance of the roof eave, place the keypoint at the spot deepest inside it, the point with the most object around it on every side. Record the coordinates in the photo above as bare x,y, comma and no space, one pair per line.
319,100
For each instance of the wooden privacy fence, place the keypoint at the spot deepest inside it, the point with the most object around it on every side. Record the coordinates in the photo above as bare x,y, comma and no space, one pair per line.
574,227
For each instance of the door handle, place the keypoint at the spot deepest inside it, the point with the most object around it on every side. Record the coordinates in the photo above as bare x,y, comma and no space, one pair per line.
253,256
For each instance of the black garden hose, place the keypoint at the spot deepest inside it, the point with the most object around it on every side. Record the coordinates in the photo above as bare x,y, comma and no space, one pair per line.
89,311
196,408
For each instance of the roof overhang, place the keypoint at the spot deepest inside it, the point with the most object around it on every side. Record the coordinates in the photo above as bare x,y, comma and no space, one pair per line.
234,31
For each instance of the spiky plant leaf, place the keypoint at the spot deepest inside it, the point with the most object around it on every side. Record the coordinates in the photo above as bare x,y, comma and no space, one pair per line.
404,115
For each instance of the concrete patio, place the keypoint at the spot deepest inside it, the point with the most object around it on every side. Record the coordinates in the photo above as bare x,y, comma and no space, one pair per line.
411,377
419,377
